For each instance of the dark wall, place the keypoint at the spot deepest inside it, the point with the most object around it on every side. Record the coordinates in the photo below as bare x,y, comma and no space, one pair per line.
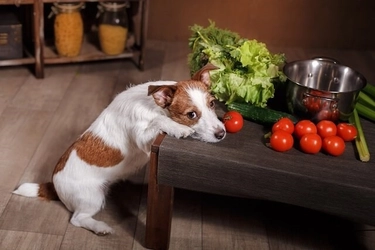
295,23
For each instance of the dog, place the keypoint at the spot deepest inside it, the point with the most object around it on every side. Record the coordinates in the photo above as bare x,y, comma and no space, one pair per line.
118,143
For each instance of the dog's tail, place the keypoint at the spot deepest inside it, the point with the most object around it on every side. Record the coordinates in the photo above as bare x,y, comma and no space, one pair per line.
45,190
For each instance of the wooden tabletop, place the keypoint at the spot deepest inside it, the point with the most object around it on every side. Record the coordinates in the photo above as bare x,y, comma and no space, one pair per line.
242,165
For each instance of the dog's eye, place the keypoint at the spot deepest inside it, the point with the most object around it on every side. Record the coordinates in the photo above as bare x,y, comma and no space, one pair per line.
212,104
192,115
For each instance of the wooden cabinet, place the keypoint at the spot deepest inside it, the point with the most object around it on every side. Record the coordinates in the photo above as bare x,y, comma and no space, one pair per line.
42,53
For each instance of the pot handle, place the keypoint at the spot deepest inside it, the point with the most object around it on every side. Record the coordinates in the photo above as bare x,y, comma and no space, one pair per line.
326,59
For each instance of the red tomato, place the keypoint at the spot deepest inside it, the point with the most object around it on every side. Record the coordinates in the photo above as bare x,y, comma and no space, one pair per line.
283,124
335,115
326,128
281,141
310,143
324,114
304,127
347,131
233,121
334,145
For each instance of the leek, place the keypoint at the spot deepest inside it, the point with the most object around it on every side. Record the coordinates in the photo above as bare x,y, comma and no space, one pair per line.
365,104
365,111
360,140
366,100
369,90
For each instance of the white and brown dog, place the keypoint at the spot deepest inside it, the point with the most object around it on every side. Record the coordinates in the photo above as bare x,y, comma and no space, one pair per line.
118,142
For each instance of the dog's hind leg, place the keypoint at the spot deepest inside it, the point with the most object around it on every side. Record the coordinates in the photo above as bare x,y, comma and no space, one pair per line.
84,208
85,220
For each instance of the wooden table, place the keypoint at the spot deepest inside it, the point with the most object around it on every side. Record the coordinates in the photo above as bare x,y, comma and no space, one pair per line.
241,165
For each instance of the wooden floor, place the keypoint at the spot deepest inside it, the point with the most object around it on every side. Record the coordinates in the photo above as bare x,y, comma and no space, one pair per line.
40,118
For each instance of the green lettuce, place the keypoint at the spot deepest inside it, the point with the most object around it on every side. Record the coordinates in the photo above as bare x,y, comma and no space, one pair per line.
247,70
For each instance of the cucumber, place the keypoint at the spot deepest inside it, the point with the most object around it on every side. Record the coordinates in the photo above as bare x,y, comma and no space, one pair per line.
260,115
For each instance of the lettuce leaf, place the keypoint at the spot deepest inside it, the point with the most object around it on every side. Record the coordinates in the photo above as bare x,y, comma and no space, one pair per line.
247,70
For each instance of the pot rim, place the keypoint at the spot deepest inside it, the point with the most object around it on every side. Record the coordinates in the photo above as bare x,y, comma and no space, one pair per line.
325,62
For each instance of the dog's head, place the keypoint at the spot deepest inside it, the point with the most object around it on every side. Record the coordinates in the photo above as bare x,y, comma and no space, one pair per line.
190,103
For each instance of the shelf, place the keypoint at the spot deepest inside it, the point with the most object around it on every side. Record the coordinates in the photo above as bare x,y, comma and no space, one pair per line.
89,52
18,61
94,56
72,1
16,2
44,53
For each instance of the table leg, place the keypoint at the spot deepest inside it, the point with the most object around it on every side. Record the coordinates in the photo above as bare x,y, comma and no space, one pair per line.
159,209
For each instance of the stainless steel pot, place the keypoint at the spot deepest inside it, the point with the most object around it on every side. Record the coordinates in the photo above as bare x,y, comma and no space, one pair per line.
321,88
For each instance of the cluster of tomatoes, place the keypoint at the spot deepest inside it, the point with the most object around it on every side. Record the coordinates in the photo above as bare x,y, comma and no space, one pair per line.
311,137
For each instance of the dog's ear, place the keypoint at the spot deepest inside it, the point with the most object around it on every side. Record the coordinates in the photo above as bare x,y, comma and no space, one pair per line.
203,74
163,94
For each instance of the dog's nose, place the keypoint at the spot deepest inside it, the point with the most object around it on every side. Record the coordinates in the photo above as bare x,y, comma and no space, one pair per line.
219,134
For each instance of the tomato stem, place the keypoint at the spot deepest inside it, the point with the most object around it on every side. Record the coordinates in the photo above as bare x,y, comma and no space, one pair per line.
268,135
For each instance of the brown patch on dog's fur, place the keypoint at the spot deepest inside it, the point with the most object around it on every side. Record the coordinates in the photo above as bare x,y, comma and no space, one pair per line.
93,151
182,105
163,94
47,191
63,159
202,76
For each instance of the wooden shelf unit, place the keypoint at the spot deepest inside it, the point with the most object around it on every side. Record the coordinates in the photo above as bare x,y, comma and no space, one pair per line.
45,54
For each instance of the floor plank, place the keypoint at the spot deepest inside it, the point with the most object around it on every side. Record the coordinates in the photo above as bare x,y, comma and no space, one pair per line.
139,235
20,133
11,81
175,66
12,240
231,223
45,94
186,229
290,227
34,215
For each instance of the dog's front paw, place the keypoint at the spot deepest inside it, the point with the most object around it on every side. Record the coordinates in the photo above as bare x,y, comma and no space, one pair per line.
181,131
